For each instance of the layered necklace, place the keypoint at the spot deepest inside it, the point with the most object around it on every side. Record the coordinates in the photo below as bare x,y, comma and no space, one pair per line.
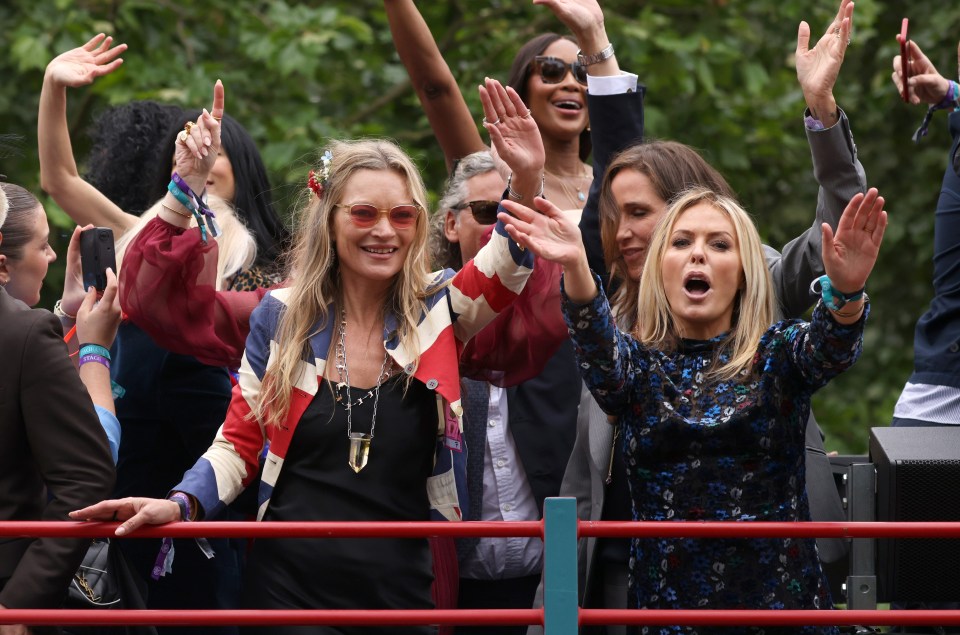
574,189
359,453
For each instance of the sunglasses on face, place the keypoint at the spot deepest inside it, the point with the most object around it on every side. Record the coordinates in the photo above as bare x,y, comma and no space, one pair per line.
484,212
367,215
553,70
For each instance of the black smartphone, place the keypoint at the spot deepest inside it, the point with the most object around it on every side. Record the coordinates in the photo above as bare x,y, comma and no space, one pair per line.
904,58
96,255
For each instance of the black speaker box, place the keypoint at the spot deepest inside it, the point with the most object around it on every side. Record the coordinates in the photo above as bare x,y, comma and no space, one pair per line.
918,479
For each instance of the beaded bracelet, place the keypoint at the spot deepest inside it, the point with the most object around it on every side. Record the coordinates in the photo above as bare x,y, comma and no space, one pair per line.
94,349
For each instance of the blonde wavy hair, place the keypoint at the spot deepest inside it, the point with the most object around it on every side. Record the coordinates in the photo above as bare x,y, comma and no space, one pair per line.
315,271
655,326
236,246
672,168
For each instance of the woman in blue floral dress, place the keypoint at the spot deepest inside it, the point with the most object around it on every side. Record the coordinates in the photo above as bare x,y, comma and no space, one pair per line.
712,398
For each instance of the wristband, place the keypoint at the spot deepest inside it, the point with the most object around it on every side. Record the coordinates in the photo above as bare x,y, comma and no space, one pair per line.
832,298
94,349
183,501
90,357
182,198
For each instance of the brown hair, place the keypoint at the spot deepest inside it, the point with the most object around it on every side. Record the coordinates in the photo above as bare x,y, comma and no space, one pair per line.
672,169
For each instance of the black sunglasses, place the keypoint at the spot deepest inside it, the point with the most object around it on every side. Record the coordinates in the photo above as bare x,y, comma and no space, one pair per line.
484,212
553,70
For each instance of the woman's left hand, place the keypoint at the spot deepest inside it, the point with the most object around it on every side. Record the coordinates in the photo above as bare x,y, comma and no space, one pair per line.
849,256
196,152
73,292
512,130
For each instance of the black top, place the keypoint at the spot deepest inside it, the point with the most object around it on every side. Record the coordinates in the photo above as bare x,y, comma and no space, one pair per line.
317,484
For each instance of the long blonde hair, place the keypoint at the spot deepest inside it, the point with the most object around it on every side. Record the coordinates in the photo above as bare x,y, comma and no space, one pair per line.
236,246
754,308
672,169
315,271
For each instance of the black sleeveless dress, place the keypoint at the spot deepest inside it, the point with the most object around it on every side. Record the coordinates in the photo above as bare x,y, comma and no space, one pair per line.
317,484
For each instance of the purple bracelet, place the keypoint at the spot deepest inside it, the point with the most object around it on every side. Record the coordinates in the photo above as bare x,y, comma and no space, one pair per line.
93,357
183,186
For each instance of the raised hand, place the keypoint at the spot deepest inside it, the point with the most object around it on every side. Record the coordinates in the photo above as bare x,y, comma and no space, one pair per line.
849,256
514,133
550,234
818,67
580,16
925,85
82,65
98,320
196,150
73,292
133,511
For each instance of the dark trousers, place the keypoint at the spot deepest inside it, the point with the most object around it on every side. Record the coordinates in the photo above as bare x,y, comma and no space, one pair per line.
509,593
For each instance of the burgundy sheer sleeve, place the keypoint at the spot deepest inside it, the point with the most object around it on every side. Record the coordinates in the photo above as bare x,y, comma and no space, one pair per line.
167,288
522,339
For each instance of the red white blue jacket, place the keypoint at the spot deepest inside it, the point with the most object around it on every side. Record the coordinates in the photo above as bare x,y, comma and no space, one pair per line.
454,313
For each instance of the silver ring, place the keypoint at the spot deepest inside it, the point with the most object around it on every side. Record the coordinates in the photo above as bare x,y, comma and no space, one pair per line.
490,123
527,115
182,137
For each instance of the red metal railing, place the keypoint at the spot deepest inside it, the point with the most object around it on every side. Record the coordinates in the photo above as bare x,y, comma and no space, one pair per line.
694,529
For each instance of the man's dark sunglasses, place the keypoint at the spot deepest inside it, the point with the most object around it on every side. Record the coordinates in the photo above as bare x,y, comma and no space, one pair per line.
484,212
553,69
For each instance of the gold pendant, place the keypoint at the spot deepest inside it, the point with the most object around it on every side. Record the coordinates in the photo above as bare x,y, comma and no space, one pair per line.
359,450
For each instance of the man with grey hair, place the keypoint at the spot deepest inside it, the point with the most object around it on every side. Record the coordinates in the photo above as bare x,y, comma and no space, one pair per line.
3,207
519,438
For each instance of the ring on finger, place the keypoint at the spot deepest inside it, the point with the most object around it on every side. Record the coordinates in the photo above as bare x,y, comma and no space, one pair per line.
187,127
490,123
527,114
182,137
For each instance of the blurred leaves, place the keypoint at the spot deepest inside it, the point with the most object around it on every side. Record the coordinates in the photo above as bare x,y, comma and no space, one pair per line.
719,76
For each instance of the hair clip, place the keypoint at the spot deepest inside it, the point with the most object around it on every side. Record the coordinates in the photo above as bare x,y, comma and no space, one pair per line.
317,181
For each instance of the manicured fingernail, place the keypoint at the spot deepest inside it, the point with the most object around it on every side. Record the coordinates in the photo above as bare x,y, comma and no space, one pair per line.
121,530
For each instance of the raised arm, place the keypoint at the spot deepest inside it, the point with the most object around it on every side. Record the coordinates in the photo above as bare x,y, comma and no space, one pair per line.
615,103
433,82
836,167
168,281
58,169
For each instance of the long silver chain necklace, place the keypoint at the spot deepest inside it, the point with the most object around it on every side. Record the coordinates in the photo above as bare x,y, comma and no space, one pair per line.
359,453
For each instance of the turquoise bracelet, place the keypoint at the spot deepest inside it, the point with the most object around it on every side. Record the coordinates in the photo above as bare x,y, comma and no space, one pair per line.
183,199
94,349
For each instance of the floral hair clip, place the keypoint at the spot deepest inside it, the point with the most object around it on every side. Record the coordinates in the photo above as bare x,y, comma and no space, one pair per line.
317,181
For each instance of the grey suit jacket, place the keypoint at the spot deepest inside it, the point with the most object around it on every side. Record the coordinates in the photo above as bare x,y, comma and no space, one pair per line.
54,456
616,123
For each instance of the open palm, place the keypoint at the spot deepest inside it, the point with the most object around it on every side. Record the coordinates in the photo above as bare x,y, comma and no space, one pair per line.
82,65
818,67
849,256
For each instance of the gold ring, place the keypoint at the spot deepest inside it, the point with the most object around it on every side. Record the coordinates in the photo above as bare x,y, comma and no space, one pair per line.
187,127
182,137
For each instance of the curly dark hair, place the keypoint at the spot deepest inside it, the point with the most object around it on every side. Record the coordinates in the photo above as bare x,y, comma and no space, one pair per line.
125,150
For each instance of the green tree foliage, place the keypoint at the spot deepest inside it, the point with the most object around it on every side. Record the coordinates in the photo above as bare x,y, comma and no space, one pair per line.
719,76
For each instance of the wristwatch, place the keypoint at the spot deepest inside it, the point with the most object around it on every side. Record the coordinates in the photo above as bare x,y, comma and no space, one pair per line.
596,58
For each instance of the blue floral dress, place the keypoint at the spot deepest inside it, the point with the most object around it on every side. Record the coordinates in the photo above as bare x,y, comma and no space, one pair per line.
716,450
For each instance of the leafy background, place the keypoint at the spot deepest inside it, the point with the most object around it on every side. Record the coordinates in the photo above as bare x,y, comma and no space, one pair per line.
719,74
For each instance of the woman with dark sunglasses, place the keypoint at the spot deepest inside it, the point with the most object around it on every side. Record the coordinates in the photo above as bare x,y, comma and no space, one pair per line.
547,73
